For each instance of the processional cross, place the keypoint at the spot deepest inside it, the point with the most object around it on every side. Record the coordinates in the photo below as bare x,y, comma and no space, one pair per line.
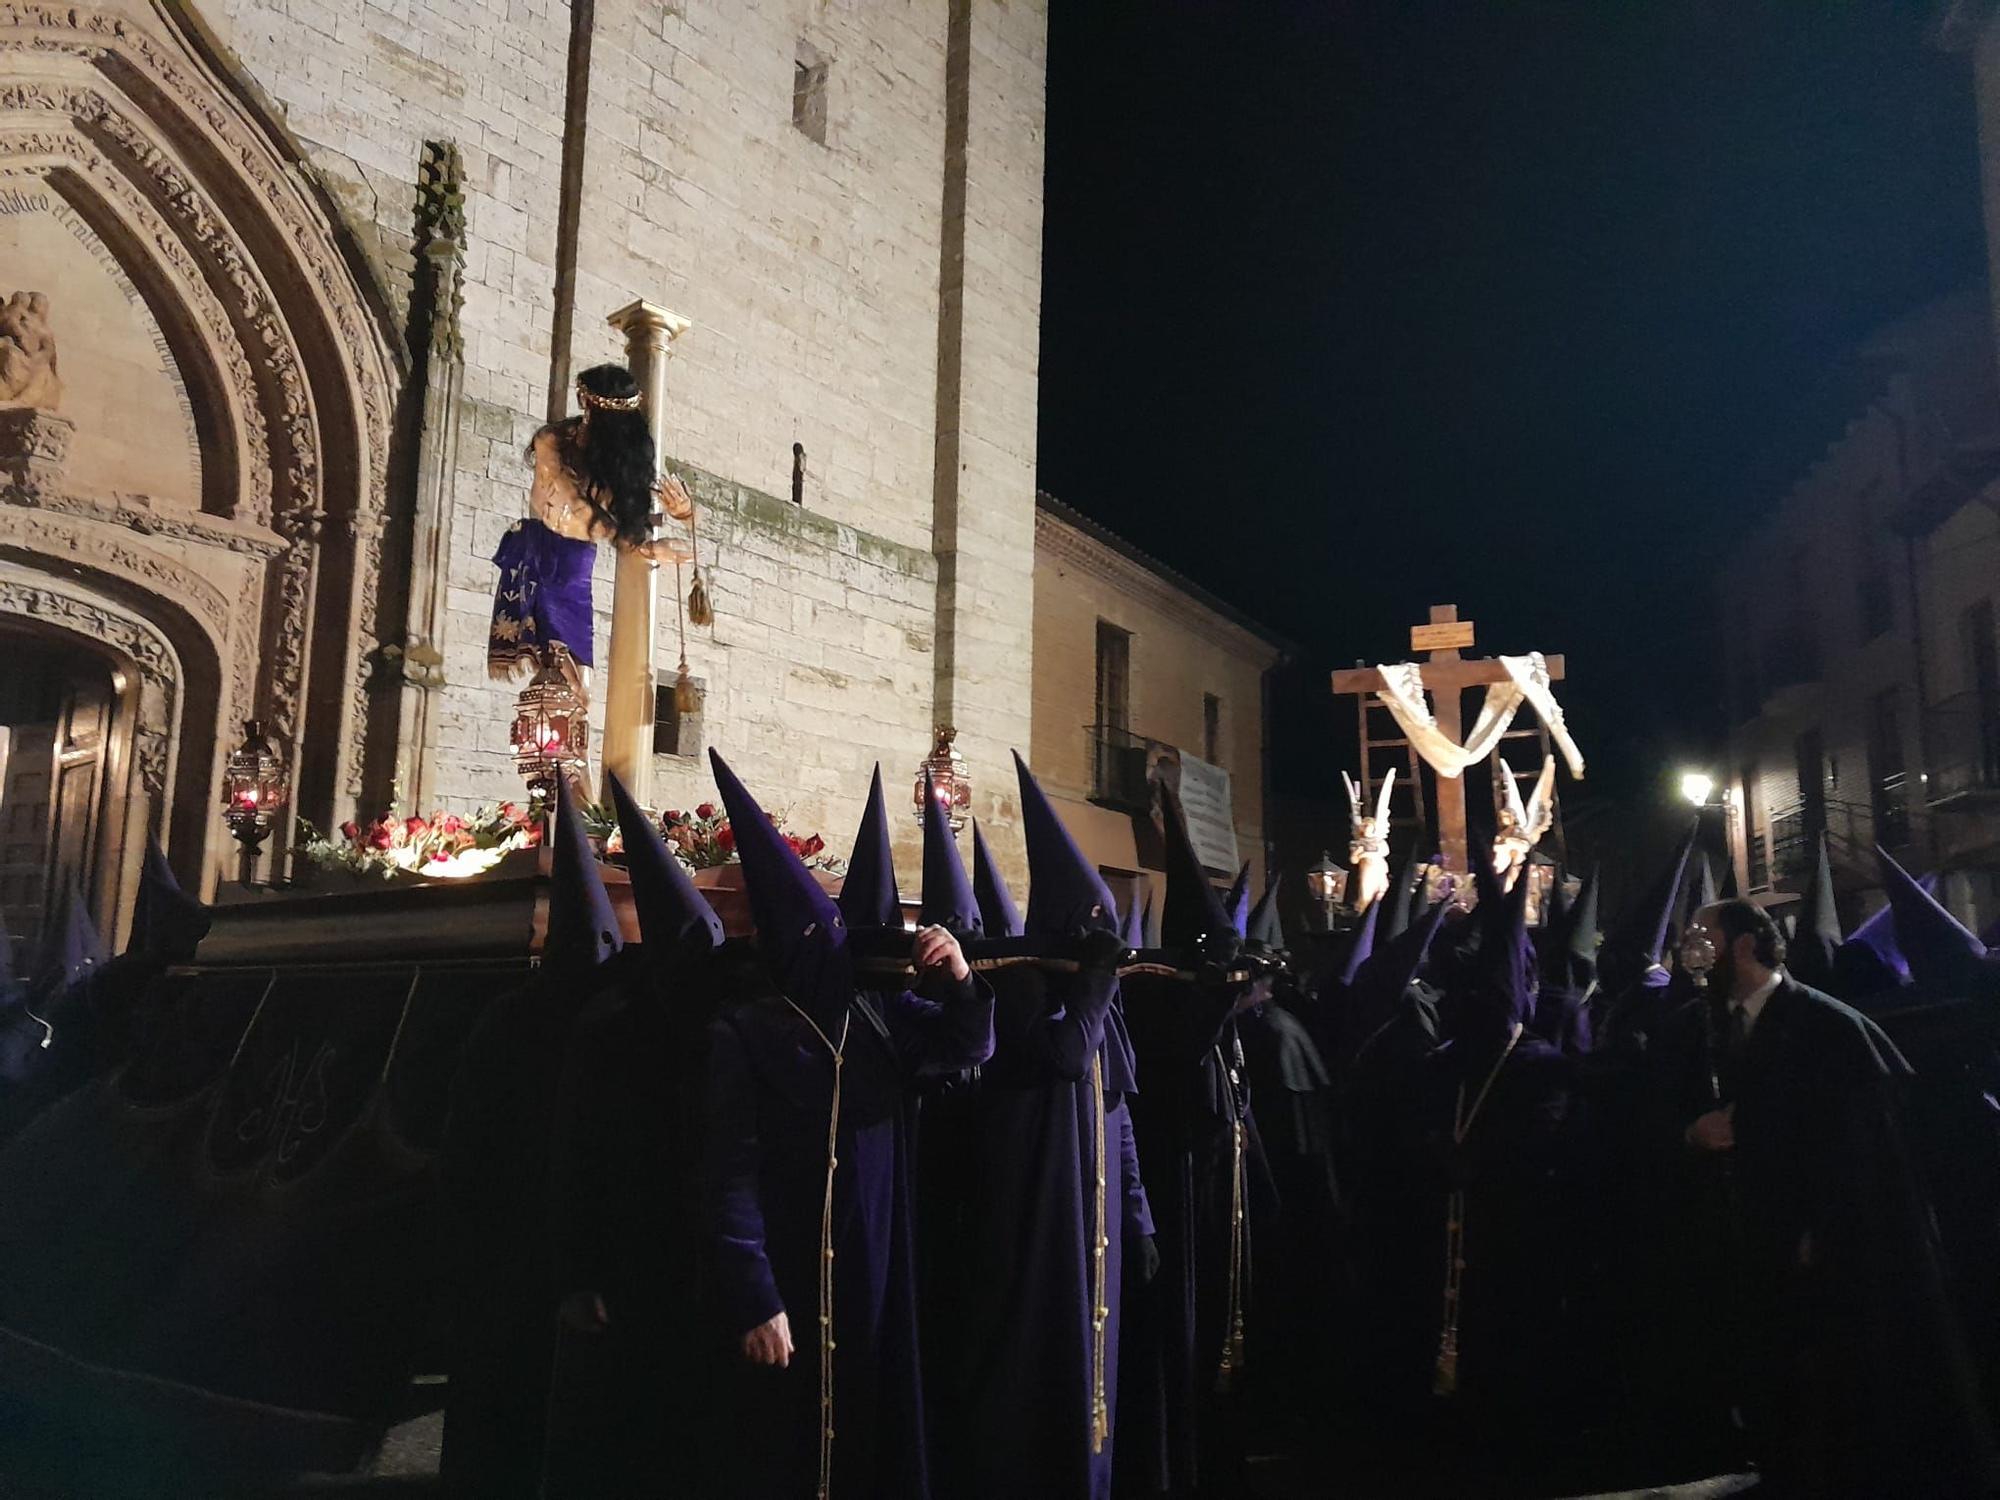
1447,674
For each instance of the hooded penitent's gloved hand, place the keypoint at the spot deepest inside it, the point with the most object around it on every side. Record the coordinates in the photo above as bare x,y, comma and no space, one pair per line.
1098,951
1215,955
1144,1255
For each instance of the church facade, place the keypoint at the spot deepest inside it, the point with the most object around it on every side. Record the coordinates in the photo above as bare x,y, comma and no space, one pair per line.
286,290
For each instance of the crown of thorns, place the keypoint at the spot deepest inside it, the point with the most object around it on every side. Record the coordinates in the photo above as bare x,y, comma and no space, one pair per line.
591,399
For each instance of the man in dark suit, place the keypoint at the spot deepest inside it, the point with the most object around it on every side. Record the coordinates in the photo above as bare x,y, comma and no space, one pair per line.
1840,1348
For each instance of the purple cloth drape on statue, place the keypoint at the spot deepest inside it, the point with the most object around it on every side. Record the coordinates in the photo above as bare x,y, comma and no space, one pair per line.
543,597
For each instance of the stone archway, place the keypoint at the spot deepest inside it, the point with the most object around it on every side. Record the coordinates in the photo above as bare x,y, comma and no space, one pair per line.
213,463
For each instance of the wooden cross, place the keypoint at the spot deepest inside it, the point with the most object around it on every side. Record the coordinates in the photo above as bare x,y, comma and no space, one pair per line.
1447,674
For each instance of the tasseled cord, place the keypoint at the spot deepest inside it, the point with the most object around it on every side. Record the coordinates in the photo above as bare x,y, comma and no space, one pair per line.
687,697
699,609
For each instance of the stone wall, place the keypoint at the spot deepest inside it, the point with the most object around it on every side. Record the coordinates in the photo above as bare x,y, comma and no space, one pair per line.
811,274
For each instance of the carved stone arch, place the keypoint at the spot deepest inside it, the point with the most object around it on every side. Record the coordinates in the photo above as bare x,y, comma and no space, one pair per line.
170,670
123,111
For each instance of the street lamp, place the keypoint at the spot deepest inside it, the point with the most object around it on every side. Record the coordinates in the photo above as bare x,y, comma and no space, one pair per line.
1696,786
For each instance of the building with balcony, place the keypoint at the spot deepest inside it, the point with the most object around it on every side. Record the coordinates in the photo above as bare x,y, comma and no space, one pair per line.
1862,665
1143,676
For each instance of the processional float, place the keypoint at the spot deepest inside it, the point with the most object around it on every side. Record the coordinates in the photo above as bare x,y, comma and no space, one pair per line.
1423,699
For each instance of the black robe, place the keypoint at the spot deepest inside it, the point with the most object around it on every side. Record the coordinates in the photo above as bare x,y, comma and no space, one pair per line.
630,1410
1015,1277
768,1103
1848,1359
1298,1284
1204,1165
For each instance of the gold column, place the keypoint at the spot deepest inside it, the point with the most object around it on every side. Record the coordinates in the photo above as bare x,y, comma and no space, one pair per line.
635,600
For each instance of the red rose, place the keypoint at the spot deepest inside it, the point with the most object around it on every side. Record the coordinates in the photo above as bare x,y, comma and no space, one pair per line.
382,834
814,845
673,815
705,811
725,840
351,831
415,828
451,823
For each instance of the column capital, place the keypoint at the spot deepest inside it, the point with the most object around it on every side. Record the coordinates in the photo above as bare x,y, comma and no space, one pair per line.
648,324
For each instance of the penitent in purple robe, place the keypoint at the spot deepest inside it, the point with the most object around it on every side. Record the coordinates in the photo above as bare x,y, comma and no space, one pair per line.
1019,1369
770,1094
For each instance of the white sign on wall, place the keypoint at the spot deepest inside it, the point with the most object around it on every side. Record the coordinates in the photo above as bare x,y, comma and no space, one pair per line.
1211,814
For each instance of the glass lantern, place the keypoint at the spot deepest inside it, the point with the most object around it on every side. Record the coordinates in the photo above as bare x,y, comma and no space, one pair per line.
944,771
551,731
255,788
1326,884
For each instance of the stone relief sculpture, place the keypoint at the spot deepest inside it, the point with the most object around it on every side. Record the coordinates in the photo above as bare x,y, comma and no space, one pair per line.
28,376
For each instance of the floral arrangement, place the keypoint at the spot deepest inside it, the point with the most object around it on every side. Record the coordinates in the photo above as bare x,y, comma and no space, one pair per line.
444,845
703,840
452,846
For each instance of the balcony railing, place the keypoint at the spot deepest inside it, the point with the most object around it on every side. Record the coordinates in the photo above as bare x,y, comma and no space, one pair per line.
1963,739
1121,762
1793,848
1890,809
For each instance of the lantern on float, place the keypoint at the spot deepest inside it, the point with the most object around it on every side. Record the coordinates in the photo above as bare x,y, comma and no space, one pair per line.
255,788
949,780
1326,884
551,731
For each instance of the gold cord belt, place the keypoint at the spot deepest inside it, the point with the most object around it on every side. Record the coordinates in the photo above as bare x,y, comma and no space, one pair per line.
1232,1339
1444,1381
1100,1294
826,1253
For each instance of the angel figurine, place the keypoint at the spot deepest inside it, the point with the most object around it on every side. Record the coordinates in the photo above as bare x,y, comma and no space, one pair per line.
1369,844
1521,828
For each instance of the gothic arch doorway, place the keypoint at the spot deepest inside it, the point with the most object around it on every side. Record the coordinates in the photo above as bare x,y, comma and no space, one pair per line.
66,715
197,401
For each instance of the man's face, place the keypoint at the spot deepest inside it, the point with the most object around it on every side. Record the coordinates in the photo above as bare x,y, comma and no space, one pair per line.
1704,938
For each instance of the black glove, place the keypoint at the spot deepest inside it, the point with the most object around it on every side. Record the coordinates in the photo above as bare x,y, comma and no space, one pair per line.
1217,953
1144,1257
1098,951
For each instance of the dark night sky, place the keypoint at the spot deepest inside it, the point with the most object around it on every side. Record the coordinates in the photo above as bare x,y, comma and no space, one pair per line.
1353,307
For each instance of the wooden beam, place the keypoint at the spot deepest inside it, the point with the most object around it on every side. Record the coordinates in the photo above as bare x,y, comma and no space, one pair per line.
1478,672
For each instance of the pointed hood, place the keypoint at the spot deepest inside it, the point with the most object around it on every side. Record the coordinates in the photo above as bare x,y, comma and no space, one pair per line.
583,927
1582,937
167,923
1700,887
1401,905
1065,892
1945,956
70,948
1640,937
1133,931
1816,936
868,896
1266,933
674,917
1149,926
948,900
997,913
1870,960
800,930
1506,988
1361,947
1238,902
1390,971
1193,911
